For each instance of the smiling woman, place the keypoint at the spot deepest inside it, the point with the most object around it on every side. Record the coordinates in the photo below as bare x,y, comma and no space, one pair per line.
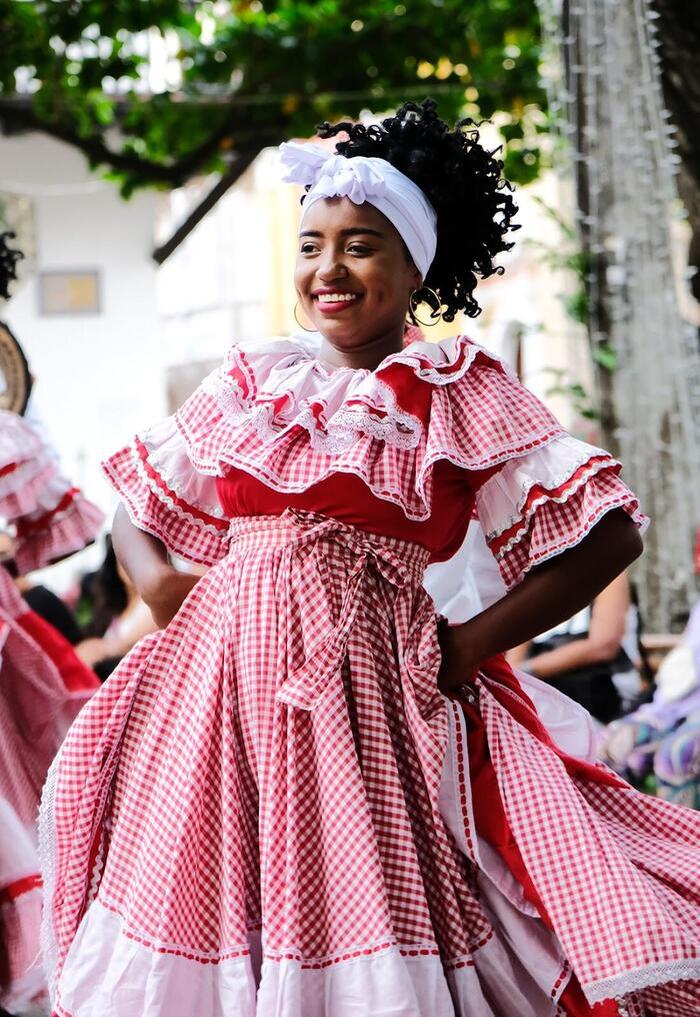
354,278
320,791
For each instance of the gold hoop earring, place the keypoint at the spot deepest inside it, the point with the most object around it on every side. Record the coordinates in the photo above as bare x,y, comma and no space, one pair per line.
305,329
435,305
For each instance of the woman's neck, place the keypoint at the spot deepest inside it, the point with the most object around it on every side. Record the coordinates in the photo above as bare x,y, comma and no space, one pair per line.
367,356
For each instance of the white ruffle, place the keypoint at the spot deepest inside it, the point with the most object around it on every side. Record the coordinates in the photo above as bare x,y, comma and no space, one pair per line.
468,582
167,454
18,441
571,726
114,975
519,970
291,383
26,472
502,499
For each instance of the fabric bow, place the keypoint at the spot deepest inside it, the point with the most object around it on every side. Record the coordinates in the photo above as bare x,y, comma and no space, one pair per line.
331,175
366,179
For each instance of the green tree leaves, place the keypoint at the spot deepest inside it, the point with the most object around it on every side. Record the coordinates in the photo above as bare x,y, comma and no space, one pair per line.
156,91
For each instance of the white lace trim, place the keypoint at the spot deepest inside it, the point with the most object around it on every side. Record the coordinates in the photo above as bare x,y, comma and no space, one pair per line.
169,502
179,484
398,428
47,863
340,432
620,501
619,986
434,376
573,453
578,482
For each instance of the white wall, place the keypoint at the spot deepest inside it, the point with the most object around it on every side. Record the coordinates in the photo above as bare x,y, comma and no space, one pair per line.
98,376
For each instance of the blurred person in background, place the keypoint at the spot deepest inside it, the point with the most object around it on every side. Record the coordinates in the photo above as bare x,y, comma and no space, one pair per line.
586,656
661,740
43,684
52,608
120,617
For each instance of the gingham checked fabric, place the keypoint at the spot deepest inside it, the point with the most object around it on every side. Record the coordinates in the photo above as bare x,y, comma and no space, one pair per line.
272,765
240,789
624,898
51,518
561,519
272,760
36,708
274,412
21,977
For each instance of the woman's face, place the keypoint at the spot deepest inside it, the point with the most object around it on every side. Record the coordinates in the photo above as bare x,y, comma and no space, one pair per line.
353,275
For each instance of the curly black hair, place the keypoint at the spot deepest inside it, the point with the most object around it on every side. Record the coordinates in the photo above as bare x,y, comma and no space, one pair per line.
463,182
8,262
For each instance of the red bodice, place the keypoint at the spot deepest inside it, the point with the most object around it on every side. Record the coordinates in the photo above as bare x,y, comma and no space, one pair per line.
346,497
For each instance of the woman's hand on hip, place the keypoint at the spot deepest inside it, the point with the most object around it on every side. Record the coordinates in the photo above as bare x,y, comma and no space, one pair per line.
458,664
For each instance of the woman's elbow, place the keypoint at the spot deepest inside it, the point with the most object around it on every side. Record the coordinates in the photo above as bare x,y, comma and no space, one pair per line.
633,543
603,650
620,540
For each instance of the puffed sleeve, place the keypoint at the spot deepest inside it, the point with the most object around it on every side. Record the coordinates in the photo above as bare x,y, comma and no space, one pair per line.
65,522
166,496
534,506
536,490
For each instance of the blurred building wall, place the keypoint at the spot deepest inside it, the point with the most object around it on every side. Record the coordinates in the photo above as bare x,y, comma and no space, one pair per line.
232,277
98,375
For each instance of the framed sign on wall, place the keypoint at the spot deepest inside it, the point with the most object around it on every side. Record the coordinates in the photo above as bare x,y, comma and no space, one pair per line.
76,292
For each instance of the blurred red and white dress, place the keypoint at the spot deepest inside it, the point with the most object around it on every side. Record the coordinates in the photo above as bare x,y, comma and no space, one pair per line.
270,809
43,685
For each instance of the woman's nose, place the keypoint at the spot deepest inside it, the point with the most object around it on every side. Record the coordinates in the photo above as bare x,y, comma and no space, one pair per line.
331,268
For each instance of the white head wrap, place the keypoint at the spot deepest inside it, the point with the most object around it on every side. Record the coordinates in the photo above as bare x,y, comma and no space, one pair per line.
363,178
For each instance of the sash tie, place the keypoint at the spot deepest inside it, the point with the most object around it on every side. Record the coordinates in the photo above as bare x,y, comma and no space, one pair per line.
374,557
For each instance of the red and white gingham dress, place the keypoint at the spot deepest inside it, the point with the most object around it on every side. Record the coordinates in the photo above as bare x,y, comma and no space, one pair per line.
268,810
43,685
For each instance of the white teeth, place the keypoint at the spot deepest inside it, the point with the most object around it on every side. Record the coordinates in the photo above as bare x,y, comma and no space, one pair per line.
335,298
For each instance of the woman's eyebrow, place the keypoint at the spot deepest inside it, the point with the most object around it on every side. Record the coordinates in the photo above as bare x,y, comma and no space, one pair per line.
352,231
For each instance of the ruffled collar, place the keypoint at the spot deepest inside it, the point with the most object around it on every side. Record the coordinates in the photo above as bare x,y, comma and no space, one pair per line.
275,412
436,362
281,383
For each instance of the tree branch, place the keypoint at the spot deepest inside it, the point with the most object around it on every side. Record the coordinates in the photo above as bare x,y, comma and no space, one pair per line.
21,117
241,164
18,115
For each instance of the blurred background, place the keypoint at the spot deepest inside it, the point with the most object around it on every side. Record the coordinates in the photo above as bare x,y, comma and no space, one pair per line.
138,168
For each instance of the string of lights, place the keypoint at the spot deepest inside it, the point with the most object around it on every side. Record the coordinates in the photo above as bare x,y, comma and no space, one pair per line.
603,68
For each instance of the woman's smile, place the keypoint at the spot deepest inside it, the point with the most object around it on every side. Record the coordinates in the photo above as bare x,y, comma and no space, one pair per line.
353,277
335,301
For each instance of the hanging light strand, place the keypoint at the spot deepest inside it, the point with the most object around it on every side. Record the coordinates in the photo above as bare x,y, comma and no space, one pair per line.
616,139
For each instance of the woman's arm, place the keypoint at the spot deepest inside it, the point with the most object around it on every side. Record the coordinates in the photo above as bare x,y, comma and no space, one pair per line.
604,639
145,560
551,593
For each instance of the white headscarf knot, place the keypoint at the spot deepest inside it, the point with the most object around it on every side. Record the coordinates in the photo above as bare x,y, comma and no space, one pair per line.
366,179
